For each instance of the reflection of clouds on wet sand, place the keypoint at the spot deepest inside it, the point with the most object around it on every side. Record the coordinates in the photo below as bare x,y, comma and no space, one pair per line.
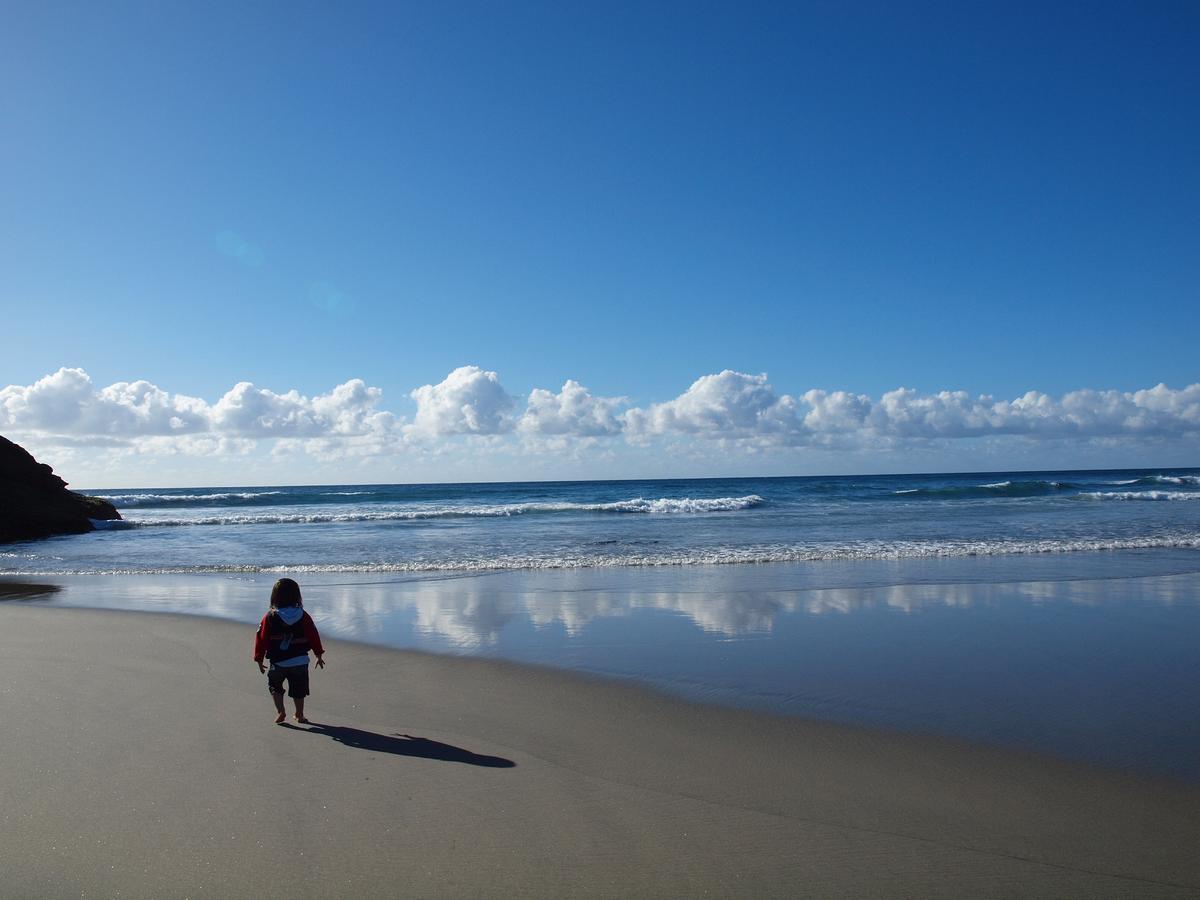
462,615
574,611
913,598
473,613
467,616
907,598
730,614
1170,591
242,598
725,614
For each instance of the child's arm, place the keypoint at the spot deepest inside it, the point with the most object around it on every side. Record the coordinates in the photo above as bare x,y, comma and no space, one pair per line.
260,644
314,637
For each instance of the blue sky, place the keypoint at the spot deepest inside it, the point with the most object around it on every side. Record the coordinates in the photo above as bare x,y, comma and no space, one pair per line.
987,198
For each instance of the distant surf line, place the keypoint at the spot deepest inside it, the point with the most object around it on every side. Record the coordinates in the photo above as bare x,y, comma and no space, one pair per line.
859,551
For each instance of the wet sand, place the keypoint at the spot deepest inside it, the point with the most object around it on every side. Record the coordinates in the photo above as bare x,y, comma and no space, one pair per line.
139,759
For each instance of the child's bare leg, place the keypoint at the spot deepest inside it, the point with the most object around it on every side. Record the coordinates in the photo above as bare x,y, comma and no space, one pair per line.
278,698
300,709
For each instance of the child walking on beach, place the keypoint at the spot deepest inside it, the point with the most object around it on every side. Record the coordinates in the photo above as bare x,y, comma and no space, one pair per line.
284,637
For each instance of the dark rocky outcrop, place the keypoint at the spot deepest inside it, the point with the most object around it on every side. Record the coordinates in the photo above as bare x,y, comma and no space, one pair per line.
35,503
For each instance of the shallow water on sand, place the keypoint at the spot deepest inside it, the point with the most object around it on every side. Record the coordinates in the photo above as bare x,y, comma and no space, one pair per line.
1095,660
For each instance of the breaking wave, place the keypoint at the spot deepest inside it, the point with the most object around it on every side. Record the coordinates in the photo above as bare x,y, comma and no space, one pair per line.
1140,495
662,506
152,499
221,498
862,550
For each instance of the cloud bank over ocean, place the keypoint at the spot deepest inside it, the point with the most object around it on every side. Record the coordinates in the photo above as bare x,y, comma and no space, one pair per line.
733,410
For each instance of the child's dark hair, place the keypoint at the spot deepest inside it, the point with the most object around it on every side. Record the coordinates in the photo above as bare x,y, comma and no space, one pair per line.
286,593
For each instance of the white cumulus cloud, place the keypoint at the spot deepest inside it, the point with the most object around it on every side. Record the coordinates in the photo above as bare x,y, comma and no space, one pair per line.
67,403
724,412
728,405
349,409
835,411
1156,412
572,411
468,401
737,406
952,414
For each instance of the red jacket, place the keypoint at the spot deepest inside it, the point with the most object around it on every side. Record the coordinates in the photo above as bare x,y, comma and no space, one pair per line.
305,638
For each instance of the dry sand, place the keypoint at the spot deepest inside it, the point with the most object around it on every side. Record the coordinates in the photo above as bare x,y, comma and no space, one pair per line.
139,760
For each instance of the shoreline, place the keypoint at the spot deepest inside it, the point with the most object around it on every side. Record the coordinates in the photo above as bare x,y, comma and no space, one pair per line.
146,763
649,692
999,664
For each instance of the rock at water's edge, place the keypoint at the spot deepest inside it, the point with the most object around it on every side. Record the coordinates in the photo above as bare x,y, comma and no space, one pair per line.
35,503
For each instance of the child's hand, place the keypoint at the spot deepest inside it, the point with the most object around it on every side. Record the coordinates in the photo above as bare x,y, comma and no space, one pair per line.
261,667
320,662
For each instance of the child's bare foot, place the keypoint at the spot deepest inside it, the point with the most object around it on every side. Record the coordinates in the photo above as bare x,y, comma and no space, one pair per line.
300,719
281,718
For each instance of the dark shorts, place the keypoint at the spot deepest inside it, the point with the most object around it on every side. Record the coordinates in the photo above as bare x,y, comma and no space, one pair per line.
295,676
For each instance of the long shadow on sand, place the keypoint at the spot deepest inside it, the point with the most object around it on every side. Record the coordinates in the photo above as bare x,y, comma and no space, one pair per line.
403,745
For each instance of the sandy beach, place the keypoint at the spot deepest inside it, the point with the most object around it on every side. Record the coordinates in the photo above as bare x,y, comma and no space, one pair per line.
140,760
724,451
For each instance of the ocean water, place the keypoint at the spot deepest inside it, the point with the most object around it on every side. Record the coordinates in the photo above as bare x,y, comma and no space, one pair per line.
1054,612
474,527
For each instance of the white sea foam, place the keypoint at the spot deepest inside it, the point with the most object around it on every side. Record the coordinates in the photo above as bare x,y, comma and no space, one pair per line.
668,505
134,499
1002,489
1160,479
110,524
1140,495
717,556
662,506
